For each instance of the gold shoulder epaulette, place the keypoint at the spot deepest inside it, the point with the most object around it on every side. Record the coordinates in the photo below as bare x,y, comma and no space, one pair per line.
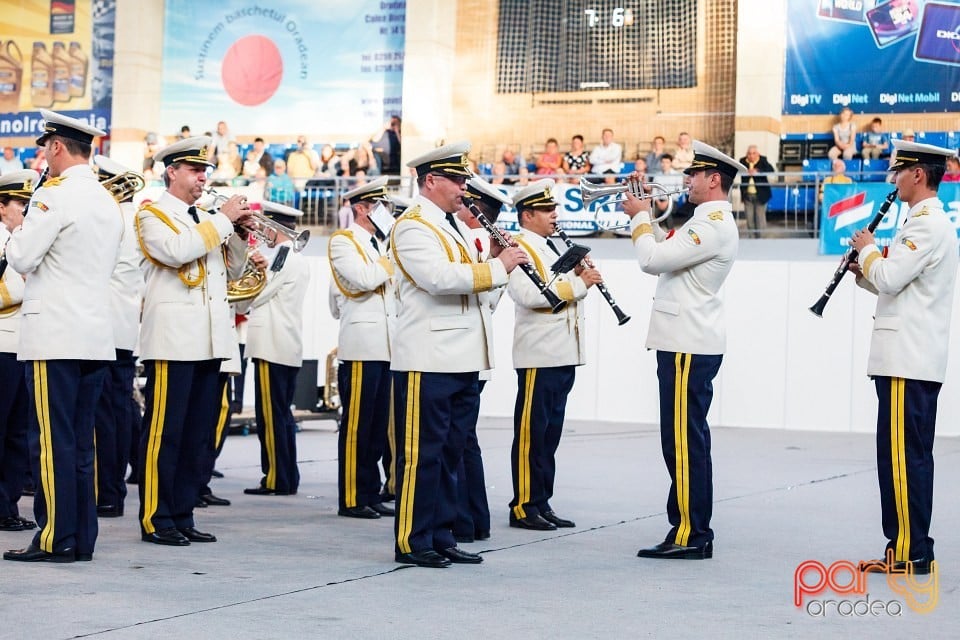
53,182
922,212
716,215
412,212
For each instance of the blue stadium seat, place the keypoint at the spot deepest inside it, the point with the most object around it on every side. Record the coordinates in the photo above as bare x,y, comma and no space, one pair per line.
853,166
953,139
815,165
937,138
485,168
875,170
629,167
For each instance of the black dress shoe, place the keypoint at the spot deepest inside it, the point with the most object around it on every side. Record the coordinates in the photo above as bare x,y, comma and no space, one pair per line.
200,504
109,511
670,551
551,516
535,523
33,553
216,474
387,497
215,501
383,509
263,491
170,537
426,558
359,512
459,556
193,535
482,534
84,557
918,567
12,523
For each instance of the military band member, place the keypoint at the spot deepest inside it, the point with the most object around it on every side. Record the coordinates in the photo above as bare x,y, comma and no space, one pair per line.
914,282
442,340
66,248
473,509
114,410
364,302
547,349
275,345
189,254
688,333
15,190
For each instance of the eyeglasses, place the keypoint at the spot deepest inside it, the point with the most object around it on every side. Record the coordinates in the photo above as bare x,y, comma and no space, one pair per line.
457,180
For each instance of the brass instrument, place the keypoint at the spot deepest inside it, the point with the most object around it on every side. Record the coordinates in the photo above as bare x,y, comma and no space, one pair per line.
122,186
592,192
249,285
331,387
299,239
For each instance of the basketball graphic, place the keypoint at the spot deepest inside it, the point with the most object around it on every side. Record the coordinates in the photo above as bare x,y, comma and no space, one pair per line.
252,70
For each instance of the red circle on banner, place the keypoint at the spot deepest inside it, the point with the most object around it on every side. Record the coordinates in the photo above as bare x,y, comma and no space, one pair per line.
252,70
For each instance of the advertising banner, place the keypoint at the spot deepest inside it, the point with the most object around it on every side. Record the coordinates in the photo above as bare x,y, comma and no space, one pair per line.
55,54
283,67
848,207
893,56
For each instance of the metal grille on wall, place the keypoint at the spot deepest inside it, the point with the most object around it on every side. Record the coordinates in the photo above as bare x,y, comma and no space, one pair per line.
573,45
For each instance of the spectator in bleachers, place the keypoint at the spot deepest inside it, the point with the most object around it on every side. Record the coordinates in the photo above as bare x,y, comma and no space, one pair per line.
658,148
755,190
10,162
952,173
683,156
510,170
38,162
184,132
641,168
576,162
329,166
606,159
229,166
550,161
671,180
302,162
908,135
261,155
875,141
279,186
221,141
844,136
361,163
387,147
839,176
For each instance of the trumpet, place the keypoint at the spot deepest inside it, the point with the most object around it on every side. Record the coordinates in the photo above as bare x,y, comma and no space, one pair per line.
298,239
622,318
591,193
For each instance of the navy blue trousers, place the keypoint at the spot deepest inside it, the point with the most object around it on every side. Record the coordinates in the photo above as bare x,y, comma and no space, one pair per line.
434,412
112,429
63,397
686,390
276,428
906,423
389,458
537,426
14,457
218,435
365,395
473,510
181,406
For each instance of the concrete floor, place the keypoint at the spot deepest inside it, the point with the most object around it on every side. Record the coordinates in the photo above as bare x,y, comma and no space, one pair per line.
290,567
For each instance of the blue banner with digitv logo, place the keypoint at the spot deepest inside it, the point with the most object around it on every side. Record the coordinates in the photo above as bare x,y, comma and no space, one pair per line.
848,207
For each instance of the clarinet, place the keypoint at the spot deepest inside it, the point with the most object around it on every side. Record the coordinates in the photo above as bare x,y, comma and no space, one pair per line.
3,258
849,257
622,318
556,304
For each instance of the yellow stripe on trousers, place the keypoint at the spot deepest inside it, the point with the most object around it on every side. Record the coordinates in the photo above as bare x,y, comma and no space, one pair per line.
151,465
392,445
353,426
899,461
681,449
269,435
42,402
222,419
411,450
523,446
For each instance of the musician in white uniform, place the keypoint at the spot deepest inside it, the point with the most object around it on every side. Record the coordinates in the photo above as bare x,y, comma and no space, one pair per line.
66,248
688,332
16,188
275,345
914,281
114,409
442,340
186,331
363,299
547,349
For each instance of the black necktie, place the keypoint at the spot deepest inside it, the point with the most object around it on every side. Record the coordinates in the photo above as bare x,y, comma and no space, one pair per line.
453,223
552,246
376,245
193,214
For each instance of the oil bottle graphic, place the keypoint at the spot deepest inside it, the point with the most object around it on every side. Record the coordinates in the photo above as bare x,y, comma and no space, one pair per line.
11,76
41,76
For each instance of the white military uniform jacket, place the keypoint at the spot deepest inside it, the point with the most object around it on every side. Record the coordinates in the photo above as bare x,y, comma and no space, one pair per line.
67,247
11,295
914,282
692,262
126,284
542,338
362,295
181,322
275,323
442,325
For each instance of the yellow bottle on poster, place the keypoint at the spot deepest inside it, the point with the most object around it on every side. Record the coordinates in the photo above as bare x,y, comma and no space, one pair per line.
41,76
61,73
79,63
11,76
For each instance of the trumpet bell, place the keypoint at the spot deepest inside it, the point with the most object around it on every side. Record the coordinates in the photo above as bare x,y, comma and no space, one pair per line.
298,239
